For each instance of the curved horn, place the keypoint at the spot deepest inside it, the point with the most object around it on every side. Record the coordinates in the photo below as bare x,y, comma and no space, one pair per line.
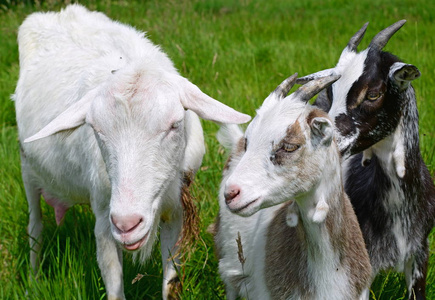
282,90
310,89
381,39
356,39
323,73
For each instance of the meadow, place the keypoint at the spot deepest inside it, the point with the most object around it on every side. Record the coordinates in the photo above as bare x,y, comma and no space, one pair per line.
235,51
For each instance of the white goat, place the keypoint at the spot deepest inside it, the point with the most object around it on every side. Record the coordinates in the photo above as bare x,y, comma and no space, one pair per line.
130,136
310,247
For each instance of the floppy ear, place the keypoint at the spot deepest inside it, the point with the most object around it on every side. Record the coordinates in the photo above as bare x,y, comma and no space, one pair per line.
195,148
402,74
209,108
322,131
71,118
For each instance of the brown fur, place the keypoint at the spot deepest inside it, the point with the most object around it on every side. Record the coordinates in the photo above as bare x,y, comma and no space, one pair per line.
316,113
294,136
287,252
191,231
360,273
285,275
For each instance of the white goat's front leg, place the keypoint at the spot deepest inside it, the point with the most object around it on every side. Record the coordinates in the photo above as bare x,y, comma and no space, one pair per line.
231,293
109,256
35,226
169,234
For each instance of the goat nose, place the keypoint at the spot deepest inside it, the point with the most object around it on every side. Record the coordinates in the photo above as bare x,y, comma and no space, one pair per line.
126,224
231,193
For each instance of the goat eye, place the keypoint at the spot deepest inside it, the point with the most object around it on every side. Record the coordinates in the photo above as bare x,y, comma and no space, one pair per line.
175,125
246,144
290,147
372,96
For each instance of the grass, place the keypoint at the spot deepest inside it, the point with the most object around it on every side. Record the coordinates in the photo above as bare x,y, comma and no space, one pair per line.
237,52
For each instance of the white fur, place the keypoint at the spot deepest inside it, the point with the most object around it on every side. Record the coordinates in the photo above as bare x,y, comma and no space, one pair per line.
292,217
132,137
390,152
386,151
350,67
320,211
252,231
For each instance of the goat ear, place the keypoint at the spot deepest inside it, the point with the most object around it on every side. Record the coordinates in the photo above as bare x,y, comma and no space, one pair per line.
229,135
322,131
71,118
209,108
402,74
195,148
323,73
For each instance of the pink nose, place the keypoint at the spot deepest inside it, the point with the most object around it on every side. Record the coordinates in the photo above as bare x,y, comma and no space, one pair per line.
231,193
126,224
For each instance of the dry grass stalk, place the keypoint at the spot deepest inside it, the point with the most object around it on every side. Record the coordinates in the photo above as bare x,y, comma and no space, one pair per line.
137,278
242,258
190,233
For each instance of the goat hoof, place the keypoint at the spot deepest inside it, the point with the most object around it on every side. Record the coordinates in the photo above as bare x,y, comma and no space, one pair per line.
174,286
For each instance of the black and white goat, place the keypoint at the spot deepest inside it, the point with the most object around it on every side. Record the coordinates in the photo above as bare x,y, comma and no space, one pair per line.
282,194
374,108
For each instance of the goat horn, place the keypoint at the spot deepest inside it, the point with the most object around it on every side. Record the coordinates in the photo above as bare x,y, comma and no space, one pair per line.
282,90
323,73
356,39
381,39
312,88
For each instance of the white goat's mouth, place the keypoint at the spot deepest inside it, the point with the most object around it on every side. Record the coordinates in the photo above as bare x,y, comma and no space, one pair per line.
136,245
238,210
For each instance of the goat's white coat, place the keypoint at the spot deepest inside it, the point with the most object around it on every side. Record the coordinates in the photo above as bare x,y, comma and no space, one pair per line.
132,138
351,67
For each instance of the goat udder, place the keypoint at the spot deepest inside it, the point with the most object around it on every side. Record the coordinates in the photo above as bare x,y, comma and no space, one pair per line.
59,208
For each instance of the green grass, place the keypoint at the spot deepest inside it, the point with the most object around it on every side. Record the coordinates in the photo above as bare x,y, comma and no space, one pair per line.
237,52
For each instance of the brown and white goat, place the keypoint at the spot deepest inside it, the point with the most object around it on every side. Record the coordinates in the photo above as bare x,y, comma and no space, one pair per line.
374,108
282,192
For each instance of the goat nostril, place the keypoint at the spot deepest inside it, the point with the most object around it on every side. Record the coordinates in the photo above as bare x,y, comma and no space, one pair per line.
126,224
229,197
